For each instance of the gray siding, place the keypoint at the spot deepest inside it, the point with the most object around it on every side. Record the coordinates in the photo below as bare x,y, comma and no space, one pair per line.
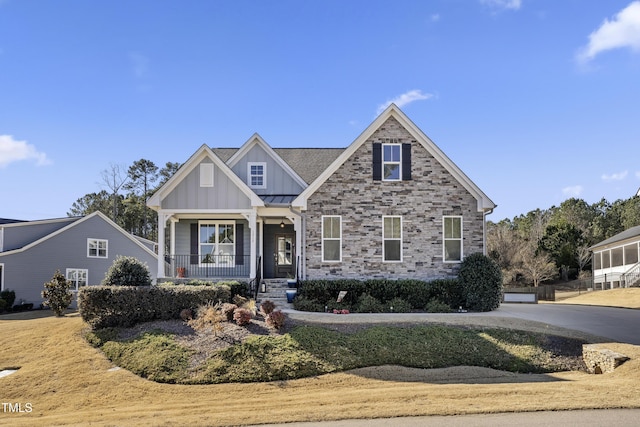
183,235
279,181
18,236
26,272
223,195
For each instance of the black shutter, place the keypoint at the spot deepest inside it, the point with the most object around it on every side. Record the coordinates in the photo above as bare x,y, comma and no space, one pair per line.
406,162
194,243
377,161
239,244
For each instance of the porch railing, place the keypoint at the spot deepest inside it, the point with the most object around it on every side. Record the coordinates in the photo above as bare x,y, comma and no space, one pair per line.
208,266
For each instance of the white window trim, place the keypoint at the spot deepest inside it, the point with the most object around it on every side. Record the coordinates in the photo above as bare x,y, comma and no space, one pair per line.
86,274
401,239
264,174
399,162
206,175
445,239
331,238
97,241
216,262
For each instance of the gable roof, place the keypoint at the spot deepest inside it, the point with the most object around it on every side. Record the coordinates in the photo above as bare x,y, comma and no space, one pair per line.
257,140
484,202
75,222
625,235
203,152
9,221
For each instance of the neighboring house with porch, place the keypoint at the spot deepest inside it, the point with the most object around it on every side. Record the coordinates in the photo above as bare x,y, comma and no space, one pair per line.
391,204
82,248
616,260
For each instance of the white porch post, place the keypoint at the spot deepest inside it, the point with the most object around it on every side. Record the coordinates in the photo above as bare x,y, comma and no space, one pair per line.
162,222
253,226
297,227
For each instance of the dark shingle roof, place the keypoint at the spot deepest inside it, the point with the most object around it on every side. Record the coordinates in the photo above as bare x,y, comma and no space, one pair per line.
9,221
308,163
626,234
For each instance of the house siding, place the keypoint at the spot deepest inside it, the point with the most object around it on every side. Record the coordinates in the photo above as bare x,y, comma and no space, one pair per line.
19,235
279,181
224,194
26,272
422,202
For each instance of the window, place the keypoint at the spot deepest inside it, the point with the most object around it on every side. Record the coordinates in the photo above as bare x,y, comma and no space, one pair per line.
206,174
452,238
257,175
392,238
97,248
616,257
77,277
597,261
331,238
606,259
391,161
217,243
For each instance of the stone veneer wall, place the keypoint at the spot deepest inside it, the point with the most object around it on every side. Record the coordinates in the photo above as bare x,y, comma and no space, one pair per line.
422,202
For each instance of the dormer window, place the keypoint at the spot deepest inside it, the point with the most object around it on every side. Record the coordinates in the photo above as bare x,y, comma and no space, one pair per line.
257,174
391,162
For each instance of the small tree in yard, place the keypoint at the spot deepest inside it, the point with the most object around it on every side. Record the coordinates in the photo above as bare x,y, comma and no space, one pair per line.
127,271
57,294
481,280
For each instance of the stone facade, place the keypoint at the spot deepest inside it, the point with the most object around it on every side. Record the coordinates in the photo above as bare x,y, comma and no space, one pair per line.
431,194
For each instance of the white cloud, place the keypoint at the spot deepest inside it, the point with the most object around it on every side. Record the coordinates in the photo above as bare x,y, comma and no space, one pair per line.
503,4
404,99
615,176
140,64
15,151
572,191
622,31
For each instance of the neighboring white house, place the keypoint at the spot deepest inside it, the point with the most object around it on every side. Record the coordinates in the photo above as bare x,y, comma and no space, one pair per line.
615,260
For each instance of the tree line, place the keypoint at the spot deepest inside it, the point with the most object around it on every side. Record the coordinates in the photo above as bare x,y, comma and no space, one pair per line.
124,194
553,244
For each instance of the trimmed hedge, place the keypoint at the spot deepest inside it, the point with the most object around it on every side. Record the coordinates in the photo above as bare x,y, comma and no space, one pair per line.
123,306
481,280
315,295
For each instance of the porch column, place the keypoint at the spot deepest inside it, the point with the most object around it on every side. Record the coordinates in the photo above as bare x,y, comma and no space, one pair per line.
297,227
253,226
162,222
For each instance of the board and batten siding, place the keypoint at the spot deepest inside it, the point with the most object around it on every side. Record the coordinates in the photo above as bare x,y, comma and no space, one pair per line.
188,194
183,235
278,179
26,272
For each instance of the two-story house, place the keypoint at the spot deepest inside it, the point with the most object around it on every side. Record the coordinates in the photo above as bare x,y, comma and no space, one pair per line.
391,204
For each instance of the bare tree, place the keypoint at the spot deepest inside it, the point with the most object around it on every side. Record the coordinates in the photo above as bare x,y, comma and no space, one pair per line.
504,246
114,178
537,266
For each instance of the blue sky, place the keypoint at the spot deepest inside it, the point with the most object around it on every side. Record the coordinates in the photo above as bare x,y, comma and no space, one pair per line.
536,100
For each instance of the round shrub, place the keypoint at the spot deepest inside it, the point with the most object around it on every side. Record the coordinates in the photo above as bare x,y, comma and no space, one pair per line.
369,304
481,281
399,305
276,319
127,271
57,294
242,316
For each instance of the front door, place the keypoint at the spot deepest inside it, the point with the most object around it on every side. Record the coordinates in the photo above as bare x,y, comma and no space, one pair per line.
284,255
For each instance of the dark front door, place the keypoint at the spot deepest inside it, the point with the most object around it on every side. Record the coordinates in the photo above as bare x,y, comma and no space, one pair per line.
284,255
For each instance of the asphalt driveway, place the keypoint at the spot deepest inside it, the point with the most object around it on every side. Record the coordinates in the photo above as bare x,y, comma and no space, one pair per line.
618,324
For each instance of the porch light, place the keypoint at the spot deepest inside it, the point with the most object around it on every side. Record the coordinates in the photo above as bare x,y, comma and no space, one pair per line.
282,224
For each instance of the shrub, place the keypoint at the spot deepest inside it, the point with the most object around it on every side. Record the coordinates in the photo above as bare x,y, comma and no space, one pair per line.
105,306
127,271
481,281
447,291
267,307
9,297
369,304
227,309
437,306
3,305
186,314
399,305
306,304
57,294
208,316
276,319
242,316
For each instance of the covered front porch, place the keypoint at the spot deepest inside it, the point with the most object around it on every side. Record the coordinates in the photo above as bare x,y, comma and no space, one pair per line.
246,245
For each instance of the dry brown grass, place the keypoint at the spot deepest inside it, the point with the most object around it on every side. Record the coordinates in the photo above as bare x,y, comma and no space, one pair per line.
624,297
69,383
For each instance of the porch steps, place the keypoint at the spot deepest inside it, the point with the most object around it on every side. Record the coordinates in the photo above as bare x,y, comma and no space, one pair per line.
275,292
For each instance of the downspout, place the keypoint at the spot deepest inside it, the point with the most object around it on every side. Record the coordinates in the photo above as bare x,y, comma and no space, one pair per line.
303,225
484,229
